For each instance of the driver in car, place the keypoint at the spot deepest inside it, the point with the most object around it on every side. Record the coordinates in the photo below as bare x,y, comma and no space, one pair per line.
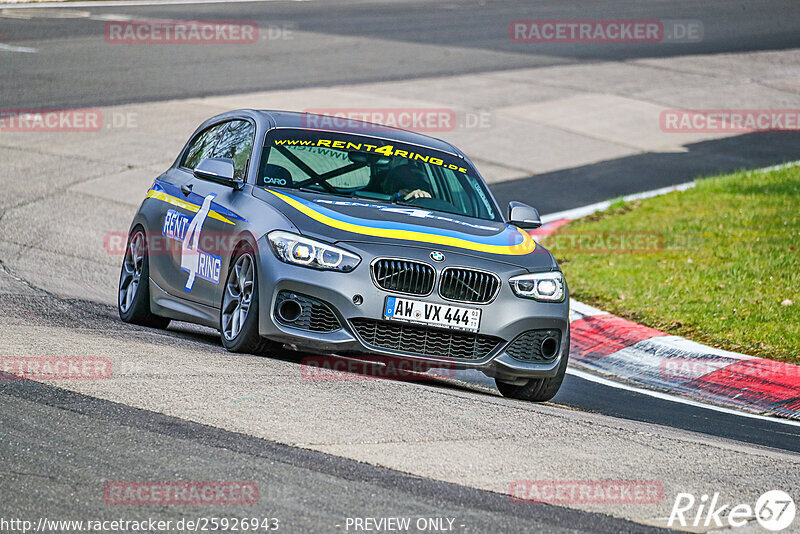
406,182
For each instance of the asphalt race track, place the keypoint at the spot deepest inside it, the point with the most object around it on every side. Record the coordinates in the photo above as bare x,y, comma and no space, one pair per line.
179,407
349,42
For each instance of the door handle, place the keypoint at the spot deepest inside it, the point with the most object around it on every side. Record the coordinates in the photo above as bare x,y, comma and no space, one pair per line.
186,189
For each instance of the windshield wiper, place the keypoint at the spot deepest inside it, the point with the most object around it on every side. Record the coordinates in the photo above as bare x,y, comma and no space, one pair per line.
402,202
326,192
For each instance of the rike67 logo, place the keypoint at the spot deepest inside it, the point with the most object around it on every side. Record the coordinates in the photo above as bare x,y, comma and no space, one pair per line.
775,511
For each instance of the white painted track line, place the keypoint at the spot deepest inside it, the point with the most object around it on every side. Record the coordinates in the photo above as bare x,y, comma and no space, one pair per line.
12,48
674,398
124,3
479,380
583,211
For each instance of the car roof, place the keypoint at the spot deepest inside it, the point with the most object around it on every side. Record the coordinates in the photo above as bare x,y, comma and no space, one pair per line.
294,119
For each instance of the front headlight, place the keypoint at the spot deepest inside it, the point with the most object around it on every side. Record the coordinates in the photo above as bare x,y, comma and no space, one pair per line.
306,252
540,286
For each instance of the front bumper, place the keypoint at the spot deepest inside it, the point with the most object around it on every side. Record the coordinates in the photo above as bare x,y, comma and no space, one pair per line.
506,317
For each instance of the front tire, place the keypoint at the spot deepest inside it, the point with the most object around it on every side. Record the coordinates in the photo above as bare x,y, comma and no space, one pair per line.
238,317
537,389
133,297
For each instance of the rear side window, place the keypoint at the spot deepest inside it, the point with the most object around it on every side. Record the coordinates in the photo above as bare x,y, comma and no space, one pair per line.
236,143
202,146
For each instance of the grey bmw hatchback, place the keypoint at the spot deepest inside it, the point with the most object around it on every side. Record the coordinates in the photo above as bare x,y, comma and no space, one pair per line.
357,241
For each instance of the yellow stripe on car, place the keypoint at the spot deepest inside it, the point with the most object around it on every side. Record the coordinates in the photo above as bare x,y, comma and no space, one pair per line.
525,247
169,199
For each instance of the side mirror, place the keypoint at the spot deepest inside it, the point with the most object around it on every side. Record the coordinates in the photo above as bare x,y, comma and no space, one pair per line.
218,170
522,215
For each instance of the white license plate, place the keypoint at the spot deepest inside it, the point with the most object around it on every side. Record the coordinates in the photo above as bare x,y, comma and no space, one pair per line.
442,315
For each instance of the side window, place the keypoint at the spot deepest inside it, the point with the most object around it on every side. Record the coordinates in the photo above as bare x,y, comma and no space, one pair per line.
202,146
236,143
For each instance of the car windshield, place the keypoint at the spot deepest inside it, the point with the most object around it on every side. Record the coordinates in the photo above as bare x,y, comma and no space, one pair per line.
371,168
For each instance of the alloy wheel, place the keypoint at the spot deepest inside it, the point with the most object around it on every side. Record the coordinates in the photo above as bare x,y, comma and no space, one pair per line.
132,267
238,296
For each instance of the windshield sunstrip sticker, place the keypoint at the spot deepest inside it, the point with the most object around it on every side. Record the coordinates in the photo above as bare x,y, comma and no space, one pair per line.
385,150
517,242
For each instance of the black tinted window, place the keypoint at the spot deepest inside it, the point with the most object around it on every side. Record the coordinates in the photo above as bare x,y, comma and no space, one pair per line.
236,143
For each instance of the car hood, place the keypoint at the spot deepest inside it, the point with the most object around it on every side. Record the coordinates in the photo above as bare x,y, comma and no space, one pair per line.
339,219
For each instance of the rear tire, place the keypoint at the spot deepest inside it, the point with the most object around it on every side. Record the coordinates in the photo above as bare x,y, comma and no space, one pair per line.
238,315
537,389
133,296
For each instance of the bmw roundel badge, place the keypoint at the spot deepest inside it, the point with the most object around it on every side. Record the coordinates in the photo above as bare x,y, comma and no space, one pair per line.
437,256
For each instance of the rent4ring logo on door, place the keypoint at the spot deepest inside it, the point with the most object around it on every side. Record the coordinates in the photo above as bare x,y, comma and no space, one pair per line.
198,263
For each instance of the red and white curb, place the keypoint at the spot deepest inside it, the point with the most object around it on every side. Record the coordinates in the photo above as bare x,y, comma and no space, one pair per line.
607,344
612,346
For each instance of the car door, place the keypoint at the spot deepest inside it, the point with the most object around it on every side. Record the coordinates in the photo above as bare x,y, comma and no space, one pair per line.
174,209
210,231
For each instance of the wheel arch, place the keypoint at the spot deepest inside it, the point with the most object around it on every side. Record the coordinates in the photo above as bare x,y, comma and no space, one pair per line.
244,238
